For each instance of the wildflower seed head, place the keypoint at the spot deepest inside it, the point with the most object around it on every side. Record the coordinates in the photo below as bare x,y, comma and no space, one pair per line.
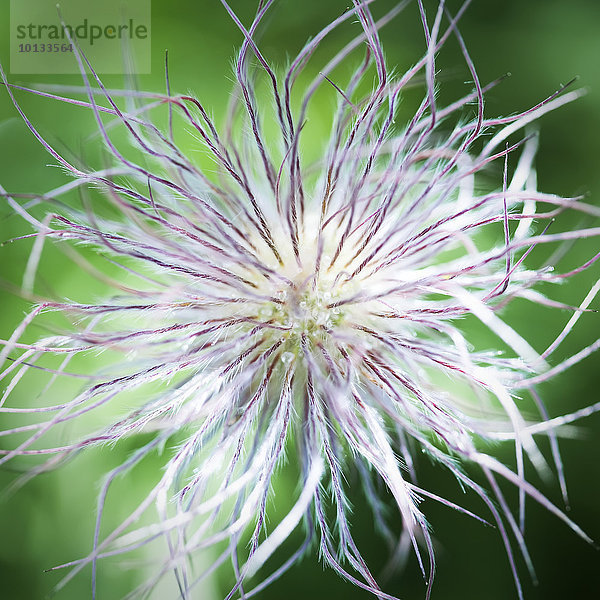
314,310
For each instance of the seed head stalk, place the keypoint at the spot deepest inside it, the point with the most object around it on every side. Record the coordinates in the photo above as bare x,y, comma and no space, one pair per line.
313,310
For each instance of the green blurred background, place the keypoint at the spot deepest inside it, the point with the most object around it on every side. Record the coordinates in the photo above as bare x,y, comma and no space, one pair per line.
542,43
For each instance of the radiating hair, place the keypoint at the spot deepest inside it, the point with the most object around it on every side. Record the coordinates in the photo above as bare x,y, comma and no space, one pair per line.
271,306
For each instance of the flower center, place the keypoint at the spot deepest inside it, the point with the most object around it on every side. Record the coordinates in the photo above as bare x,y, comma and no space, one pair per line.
304,310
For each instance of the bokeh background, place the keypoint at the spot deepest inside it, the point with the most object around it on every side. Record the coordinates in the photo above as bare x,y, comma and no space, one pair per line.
543,43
